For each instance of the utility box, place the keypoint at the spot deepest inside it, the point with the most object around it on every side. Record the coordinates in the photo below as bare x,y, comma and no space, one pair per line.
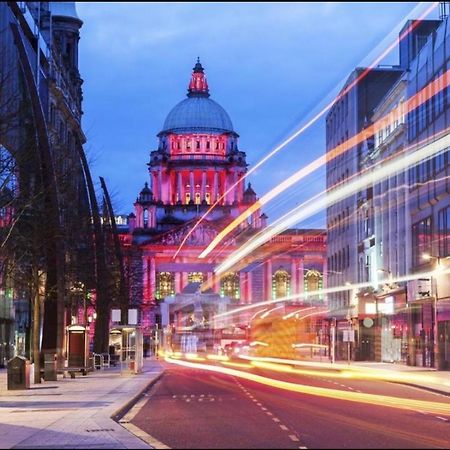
18,373
50,367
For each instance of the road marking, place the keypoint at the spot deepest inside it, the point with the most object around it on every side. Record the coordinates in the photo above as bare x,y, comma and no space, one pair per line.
259,404
275,419
284,427
303,447
442,418
294,438
264,409
269,413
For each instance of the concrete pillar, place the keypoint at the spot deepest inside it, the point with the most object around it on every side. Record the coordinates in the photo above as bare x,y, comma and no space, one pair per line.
160,186
203,186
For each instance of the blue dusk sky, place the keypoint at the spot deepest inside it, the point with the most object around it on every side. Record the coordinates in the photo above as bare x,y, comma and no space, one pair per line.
270,65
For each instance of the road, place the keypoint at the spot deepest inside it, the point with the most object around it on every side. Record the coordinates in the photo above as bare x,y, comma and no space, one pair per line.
191,408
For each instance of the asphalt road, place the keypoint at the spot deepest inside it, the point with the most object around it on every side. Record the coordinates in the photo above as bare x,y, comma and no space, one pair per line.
190,408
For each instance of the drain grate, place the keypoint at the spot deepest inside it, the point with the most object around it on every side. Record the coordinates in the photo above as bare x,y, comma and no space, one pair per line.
99,430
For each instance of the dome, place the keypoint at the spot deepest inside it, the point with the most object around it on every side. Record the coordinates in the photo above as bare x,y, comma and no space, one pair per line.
198,114
64,9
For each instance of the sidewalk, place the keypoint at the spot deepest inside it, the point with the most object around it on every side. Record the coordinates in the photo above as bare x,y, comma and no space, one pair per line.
73,413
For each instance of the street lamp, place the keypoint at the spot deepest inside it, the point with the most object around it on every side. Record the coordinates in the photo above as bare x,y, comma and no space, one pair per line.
429,257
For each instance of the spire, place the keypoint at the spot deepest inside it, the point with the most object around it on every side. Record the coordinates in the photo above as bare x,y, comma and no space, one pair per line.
198,87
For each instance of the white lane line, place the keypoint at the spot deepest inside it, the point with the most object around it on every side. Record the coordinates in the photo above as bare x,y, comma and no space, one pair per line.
303,447
284,427
259,404
294,438
269,413
441,418
275,419
264,409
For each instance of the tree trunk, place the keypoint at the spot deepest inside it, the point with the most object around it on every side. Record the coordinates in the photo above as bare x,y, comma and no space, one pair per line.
36,325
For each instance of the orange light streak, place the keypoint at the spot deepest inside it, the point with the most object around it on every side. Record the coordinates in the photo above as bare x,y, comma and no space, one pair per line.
287,141
373,399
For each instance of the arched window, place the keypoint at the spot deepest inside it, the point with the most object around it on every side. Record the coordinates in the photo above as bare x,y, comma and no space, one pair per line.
197,198
281,284
165,285
229,286
313,282
195,277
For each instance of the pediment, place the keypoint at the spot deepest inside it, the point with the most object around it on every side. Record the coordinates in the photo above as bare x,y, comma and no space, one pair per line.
201,236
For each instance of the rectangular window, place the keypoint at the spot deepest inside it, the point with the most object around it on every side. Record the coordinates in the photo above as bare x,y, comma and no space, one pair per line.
421,240
444,232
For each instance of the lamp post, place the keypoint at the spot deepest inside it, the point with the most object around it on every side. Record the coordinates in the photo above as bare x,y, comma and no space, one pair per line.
435,354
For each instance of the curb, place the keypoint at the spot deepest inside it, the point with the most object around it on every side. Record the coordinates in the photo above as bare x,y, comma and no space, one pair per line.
117,415
424,388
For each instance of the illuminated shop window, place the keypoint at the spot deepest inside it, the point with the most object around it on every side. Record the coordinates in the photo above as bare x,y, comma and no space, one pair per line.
188,198
165,285
197,198
208,198
229,286
281,281
195,277
313,282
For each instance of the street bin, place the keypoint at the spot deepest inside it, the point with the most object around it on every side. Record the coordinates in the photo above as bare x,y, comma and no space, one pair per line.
50,367
18,373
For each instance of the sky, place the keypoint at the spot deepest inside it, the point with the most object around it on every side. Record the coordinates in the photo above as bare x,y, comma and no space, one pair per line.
270,65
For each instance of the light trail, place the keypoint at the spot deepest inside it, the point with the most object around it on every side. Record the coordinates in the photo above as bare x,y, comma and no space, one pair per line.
313,206
345,371
263,316
292,314
287,141
333,290
412,103
373,399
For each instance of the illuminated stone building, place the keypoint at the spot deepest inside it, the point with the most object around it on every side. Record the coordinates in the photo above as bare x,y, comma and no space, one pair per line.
198,162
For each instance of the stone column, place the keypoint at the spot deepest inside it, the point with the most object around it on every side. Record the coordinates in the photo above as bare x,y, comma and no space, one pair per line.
145,280
180,187
301,277
155,186
236,186
192,184
203,186
268,280
160,186
152,287
294,277
177,282
215,193
184,280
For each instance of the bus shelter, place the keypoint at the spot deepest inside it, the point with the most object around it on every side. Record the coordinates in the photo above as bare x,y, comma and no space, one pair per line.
126,343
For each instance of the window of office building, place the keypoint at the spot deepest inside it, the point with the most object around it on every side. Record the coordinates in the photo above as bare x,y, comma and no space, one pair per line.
421,239
444,231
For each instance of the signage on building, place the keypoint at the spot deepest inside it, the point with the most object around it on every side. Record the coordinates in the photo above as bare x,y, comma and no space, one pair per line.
348,335
418,289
